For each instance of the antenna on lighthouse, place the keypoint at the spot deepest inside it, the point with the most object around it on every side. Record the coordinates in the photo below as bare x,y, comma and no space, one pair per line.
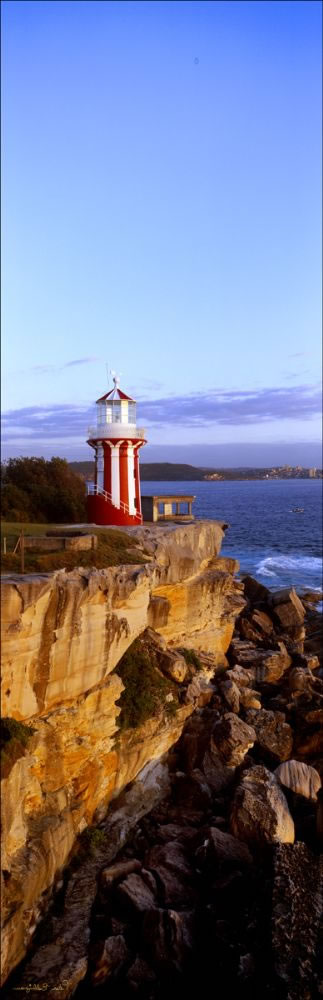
116,377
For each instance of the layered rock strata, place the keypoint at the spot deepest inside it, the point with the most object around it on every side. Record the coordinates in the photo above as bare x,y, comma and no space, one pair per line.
63,636
211,881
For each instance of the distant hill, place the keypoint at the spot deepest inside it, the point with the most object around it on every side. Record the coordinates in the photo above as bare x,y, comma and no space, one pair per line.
169,471
84,469
154,471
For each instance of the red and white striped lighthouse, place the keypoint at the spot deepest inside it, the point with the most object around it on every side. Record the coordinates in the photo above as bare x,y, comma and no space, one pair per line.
114,497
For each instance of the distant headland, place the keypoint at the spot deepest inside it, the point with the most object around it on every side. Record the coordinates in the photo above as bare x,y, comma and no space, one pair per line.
176,472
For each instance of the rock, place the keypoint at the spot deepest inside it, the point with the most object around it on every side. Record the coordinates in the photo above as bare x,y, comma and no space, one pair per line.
307,660
241,676
199,691
167,939
319,817
113,956
249,698
222,849
192,791
273,665
173,665
300,679
173,873
135,895
263,665
231,739
300,778
273,735
259,813
230,694
255,591
118,871
226,564
139,974
296,914
218,775
256,625
288,609
173,831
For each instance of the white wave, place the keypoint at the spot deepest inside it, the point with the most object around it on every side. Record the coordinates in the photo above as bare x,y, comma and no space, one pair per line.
275,565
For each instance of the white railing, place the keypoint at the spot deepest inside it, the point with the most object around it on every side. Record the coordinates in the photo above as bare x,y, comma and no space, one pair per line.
116,430
94,490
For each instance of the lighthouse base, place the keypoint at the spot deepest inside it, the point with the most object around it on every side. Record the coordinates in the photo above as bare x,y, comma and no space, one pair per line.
101,511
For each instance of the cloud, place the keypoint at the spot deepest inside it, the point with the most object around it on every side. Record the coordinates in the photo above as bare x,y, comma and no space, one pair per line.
62,422
234,407
54,369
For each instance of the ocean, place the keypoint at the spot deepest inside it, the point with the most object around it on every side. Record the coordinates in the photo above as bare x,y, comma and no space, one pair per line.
271,541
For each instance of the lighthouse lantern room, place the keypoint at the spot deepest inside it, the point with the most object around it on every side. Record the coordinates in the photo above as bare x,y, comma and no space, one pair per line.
114,497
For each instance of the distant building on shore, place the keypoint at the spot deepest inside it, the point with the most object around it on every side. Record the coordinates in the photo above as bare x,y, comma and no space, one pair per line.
312,473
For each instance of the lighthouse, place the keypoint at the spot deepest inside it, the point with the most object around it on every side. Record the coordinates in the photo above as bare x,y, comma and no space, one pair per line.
114,497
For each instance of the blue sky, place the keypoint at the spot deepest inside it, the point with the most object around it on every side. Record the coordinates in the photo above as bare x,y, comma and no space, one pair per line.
161,214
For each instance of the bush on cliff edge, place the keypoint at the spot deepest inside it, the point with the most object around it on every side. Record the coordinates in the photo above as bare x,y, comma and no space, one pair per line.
145,688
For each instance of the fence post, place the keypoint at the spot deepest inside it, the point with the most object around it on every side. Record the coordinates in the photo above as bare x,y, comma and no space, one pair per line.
22,551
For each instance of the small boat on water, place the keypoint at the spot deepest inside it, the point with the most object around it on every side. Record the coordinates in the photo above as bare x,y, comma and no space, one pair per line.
297,510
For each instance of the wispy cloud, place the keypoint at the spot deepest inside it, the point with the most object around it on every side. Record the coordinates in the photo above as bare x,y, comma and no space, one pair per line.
216,407
54,369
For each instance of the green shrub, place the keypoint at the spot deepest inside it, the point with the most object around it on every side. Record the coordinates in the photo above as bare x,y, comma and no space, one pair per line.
191,658
14,737
145,689
91,840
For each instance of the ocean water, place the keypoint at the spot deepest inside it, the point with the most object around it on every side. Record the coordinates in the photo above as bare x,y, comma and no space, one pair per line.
272,542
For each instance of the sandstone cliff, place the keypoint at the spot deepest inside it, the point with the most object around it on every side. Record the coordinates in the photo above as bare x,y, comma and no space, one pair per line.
63,636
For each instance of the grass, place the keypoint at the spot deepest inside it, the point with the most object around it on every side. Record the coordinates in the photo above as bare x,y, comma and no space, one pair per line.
114,548
191,657
146,689
14,737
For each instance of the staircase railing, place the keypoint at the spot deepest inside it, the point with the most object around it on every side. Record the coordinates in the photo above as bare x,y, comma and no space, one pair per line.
94,490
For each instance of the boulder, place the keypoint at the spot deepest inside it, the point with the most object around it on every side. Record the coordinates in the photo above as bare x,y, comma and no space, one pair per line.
231,739
135,895
263,665
307,660
218,775
249,698
259,813
273,735
139,974
114,873
241,676
255,626
222,849
273,665
192,791
114,954
255,591
167,939
300,679
300,778
173,665
287,607
296,915
173,874
230,694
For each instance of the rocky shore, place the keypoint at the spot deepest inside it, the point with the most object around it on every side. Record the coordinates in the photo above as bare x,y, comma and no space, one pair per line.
217,889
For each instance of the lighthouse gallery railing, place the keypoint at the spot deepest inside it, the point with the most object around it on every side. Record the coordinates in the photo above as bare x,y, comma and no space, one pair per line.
94,490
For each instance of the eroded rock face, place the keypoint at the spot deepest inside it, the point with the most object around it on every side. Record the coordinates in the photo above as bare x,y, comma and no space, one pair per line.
63,635
260,813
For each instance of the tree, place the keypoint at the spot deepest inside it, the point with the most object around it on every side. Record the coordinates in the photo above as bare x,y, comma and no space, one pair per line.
33,489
